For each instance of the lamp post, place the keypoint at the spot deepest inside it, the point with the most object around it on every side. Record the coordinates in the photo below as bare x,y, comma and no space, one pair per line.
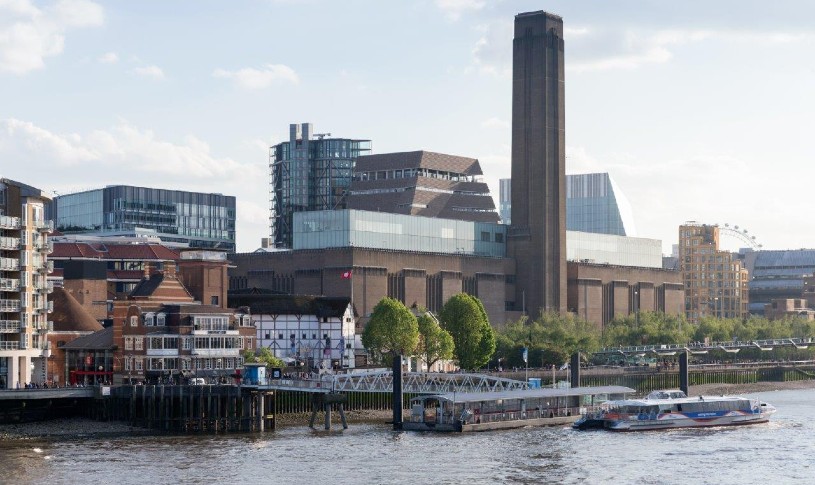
637,306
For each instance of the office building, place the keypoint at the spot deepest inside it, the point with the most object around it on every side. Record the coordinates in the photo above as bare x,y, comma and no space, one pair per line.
715,282
777,275
309,172
537,236
24,287
422,183
180,218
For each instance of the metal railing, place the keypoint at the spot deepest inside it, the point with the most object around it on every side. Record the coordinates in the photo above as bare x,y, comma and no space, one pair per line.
44,226
9,305
7,222
9,243
9,264
9,284
9,326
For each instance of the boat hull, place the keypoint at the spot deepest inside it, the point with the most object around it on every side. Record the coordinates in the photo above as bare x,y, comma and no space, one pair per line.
673,422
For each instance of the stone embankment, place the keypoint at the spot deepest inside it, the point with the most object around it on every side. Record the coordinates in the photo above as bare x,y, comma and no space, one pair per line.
730,389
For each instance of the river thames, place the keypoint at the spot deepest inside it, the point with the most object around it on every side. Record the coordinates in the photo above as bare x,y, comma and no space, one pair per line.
777,452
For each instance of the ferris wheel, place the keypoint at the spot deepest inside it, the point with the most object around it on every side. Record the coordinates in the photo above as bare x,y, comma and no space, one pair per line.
740,234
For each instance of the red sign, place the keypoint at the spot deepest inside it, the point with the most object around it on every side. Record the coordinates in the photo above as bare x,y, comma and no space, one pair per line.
346,275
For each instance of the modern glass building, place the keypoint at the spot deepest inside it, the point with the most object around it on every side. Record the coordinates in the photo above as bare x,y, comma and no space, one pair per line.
189,218
596,248
399,232
309,172
594,203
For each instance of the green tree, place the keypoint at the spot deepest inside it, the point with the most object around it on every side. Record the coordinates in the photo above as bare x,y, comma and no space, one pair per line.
435,343
392,329
466,320
263,355
551,339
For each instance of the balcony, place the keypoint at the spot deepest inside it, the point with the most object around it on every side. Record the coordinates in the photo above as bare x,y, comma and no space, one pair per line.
7,222
9,264
46,287
10,326
46,247
8,284
46,268
46,307
9,243
46,327
9,305
4,345
44,226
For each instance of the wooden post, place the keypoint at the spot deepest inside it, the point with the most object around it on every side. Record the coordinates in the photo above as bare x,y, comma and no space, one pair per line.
397,392
575,369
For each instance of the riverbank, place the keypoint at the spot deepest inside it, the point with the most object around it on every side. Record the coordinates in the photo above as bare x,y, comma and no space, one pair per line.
75,428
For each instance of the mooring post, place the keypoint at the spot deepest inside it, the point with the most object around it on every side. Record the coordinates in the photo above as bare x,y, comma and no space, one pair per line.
314,404
575,369
683,373
327,409
397,392
342,417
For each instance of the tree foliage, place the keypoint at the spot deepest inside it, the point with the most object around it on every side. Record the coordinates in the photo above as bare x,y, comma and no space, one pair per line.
465,318
647,328
550,340
435,343
262,355
392,329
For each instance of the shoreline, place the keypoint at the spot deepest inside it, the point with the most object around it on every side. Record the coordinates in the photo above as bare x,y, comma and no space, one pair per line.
78,428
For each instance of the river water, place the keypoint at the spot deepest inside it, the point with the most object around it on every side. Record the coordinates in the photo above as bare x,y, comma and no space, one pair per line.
778,452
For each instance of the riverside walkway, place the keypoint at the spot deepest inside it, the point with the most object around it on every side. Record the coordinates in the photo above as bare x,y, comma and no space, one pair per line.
703,348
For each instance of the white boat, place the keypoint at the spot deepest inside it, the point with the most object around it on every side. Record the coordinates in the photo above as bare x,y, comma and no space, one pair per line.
673,409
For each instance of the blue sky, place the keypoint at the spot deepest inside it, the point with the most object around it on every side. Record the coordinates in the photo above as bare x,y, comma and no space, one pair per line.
700,110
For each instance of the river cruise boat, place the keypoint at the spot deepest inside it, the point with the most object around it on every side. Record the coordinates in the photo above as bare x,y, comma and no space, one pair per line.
483,411
673,409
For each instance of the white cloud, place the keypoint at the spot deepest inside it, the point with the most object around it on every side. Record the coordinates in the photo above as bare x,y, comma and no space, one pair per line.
108,58
29,34
455,8
495,122
250,78
492,53
152,72
127,149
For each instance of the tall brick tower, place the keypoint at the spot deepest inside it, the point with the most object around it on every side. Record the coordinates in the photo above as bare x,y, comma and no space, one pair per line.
538,233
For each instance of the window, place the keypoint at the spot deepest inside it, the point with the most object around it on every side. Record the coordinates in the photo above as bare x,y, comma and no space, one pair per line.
499,237
485,236
161,320
186,343
138,343
134,321
213,300
268,336
127,363
280,336
128,343
139,364
148,320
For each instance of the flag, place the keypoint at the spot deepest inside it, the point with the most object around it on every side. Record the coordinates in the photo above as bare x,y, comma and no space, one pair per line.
346,275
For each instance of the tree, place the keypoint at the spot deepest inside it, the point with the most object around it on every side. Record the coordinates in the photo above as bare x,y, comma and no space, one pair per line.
466,320
262,355
551,339
392,329
435,343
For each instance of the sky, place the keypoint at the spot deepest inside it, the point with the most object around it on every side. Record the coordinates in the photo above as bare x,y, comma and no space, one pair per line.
700,110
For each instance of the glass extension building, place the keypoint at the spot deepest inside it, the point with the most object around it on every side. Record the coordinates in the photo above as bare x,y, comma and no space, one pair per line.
188,218
309,172
397,232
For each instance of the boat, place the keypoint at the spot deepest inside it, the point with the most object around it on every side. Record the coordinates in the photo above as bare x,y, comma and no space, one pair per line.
484,411
668,409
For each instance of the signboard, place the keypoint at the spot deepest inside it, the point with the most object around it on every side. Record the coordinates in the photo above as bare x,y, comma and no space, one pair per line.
526,355
277,373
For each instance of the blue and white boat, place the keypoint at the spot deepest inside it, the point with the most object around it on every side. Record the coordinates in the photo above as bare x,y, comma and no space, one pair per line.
673,409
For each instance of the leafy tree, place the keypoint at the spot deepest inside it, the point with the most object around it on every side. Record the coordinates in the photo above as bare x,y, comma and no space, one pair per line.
262,355
435,343
392,329
551,339
466,320
647,328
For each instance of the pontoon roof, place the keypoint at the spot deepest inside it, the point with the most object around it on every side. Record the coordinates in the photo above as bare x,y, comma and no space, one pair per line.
466,397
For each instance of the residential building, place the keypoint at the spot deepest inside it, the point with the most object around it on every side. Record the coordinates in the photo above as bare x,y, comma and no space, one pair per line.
186,219
780,308
161,333
309,172
422,183
24,287
537,237
505,200
715,282
72,321
316,331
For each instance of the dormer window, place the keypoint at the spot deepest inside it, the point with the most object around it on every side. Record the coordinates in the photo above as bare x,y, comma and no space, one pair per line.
161,319
149,319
